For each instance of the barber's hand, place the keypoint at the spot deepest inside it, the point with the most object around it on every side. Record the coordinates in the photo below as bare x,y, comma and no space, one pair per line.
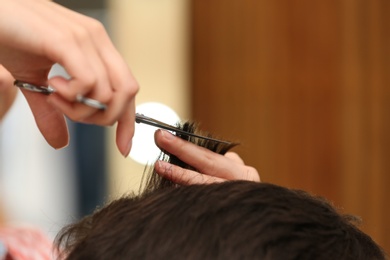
7,91
36,34
212,167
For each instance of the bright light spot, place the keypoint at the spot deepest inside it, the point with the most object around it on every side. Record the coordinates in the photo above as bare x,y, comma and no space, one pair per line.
144,149
58,70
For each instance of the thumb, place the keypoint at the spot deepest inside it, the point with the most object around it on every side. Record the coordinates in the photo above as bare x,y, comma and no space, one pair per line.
51,122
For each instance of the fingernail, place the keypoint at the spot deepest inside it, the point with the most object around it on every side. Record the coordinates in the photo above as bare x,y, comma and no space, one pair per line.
167,135
128,149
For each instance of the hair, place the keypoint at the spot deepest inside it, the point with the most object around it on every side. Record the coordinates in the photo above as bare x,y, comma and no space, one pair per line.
152,181
230,220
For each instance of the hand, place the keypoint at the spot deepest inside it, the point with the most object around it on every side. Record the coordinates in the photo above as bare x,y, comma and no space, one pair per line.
7,91
36,34
212,167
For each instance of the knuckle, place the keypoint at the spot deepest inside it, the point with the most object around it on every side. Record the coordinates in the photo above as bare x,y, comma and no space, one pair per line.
130,90
211,166
252,174
210,159
202,179
181,177
171,174
196,178
95,28
54,50
211,180
135,88
105,96
81,34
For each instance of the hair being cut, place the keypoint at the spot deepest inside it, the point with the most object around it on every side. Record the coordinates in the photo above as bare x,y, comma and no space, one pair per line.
152,181
230,220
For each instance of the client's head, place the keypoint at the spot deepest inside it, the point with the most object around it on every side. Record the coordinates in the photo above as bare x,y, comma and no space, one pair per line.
231,220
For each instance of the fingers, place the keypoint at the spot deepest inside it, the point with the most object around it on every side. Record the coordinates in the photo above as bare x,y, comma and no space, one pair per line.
229,167
125,130
82,46
198,157
235,157
182,176
5,79
90,76
7,91
97,71
114,84
50,121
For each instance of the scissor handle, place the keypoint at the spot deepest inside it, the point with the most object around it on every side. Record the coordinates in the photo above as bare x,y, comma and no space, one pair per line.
48,90
33,88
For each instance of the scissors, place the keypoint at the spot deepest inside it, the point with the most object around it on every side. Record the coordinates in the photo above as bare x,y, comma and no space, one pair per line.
139,118
49,90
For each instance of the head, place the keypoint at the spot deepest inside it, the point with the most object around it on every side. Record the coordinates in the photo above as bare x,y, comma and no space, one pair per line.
231,220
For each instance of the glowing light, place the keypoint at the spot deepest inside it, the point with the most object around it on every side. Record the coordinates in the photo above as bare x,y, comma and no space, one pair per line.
144,149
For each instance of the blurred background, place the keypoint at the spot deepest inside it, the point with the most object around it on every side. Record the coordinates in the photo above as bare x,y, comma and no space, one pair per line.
303,86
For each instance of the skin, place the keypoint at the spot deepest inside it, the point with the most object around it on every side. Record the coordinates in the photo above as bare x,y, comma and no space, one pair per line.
7,94
212,167
35,34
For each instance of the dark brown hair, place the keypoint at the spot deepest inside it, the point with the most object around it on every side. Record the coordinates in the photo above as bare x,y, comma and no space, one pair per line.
231,220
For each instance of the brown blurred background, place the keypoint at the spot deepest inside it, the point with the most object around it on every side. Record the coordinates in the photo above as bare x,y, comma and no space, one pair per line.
304,87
